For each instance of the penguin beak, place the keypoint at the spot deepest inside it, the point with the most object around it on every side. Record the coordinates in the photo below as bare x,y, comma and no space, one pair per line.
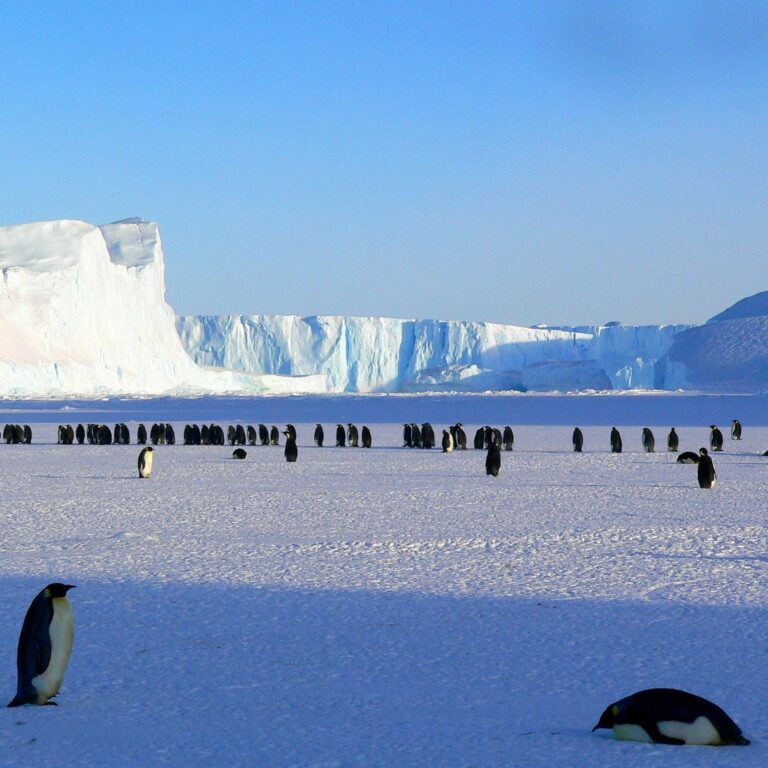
67,587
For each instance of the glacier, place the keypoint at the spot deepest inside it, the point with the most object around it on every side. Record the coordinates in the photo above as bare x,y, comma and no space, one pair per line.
83,313
374,354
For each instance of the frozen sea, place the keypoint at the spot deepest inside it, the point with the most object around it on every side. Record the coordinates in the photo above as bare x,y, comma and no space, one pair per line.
387,607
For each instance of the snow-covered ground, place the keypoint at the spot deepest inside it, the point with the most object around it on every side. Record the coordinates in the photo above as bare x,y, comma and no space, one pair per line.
385,607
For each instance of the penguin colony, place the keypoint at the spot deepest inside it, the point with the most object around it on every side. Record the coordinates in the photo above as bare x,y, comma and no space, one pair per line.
657,715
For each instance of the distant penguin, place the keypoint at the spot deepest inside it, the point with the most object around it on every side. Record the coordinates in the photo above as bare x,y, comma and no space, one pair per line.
479,441
291,430
141,435
240,434
706,470
251,434
736,430
578,440
45,645
353,436
615,440
341,436
196,435
648,440
274,436
170,435
104,435
188,435
27,434
508,439
673,441
80,434
493,459
366,437
688,457
715,439
461,437
61,434
488,437
231,434
415,436
263,434
670,716
407,443
205,435
145,461
71,434
447,442
291,450
239,453
427,436
319,435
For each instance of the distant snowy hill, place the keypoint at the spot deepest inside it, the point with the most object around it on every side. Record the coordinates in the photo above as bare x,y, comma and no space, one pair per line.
373,354
83,312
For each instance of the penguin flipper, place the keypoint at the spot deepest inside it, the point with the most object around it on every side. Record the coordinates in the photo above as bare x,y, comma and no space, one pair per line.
652,729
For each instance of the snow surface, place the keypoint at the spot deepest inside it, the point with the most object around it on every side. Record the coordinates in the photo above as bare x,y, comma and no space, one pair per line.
385,607
375,354
83,313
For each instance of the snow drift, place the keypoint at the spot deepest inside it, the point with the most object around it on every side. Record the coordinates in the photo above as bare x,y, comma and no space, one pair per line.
83,312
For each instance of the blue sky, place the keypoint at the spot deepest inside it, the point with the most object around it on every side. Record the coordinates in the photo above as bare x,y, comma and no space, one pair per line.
556,162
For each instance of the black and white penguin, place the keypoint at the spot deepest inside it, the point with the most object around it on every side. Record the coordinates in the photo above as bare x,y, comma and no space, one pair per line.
578,440
479,441
706,470
670,716
263,434
196,437
673,441
240,434
104,435
274,436
648,440
487,437
407,436
251,434
80,434
141,435
715,438
319,435
291,430
27,434
735,430
365,436
353,436
239,453
231,434
145,461
291,451
415,436
427,436
341,436
461,437
615,440
688,457
45,645
188,435
508,438
447,442
493,459
205,435
71,434
170,435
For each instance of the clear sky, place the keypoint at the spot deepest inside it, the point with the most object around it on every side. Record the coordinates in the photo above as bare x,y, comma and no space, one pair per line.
520,162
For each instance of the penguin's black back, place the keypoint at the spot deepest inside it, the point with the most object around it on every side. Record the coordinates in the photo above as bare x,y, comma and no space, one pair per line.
493,460
33,653
291,451
578,440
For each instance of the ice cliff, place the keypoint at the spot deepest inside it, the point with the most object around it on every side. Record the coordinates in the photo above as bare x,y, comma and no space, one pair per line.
83,312
373,354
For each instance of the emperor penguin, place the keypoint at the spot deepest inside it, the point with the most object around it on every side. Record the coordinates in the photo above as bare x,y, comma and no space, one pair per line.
673,441
319,435
291,451
353,436
291,430
578,440
649,441
341,436
715,438
461,437
141,435
479,441
407,443
427,436
251,433
706,470
263,434
45,645
239,453
447,441
365,436
80,434
670,716
615,440
508,438
736,430
145,461
240,434
688,457
274,436
493,459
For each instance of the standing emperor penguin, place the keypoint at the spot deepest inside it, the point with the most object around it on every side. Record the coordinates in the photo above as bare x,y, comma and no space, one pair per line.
461,437
508,438
578,440
479,441
649,441
141,435
341,436
407,442
736,430
274,435
447,441
145,461
493,459
706,470
291,451
673,441
670,716
365,435
319,435
715,438
45,644
615,440
353,436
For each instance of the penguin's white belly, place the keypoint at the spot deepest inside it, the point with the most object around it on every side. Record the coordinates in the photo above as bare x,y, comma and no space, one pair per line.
627,732
700,731
62,633
146,465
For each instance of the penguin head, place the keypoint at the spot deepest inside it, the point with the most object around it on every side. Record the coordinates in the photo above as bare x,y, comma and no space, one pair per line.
58,590
608,718
703,451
